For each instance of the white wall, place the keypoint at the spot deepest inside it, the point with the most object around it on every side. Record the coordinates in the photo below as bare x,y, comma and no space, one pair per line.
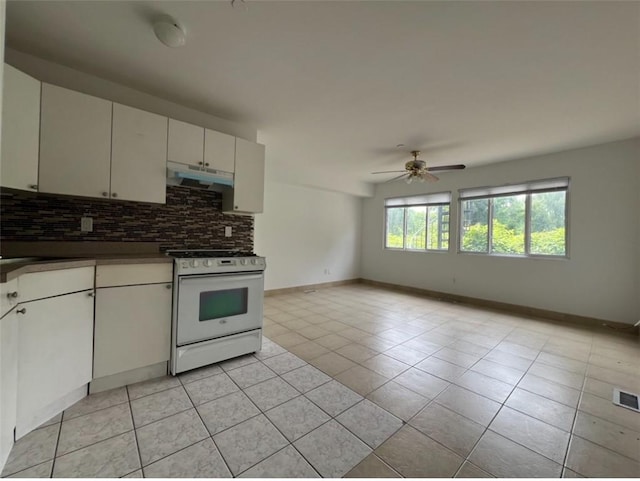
57,74
601,278
304,231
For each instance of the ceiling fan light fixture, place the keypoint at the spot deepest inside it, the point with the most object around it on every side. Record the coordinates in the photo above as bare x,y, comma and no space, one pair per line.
169,32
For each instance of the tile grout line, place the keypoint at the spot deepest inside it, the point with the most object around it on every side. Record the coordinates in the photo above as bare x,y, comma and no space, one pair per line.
205,428
301,394
135,433
55,452
278,429
575,417
515,442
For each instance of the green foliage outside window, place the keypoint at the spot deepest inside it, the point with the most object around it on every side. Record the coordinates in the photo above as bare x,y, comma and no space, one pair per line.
547,224
427,227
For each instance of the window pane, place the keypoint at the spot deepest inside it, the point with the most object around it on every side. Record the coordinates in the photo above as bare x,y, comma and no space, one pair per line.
438,231
548,223
395,228
416,227
508,224
474,225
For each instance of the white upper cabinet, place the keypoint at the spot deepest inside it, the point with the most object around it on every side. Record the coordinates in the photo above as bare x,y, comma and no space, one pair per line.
186,143
20,130
247,196
138,155
219,151
75,143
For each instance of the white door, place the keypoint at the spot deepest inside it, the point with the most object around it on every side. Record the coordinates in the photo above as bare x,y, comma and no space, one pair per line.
133,328
219,151
139,155
218,305
186,143
54,353
20,130
75,143
248,184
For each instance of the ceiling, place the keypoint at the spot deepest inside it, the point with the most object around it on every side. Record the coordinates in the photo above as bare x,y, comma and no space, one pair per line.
333,87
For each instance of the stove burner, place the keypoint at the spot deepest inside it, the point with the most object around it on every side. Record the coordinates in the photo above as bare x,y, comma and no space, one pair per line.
210,253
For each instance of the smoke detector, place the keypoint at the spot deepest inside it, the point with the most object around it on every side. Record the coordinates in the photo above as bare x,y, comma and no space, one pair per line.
169,32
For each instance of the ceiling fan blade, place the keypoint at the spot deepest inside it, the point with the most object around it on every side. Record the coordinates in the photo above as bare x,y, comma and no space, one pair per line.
447,167
430,177
388,172
395,178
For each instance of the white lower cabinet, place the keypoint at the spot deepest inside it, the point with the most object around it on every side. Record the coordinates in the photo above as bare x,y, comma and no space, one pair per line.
132,323
8,296
133,328
8,382
54,356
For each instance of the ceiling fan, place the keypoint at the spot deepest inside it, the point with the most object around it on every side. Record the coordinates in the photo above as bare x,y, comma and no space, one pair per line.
417,169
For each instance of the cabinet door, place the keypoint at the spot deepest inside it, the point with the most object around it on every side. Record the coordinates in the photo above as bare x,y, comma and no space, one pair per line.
75,143
138,155
133,328
8,381
186,143
248,184
219,151
54,353
8,296
20,130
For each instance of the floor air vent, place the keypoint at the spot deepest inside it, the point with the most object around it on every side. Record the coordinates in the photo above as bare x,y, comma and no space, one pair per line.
626,400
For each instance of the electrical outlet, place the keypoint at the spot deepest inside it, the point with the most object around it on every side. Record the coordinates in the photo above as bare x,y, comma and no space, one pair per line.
86,224
227,231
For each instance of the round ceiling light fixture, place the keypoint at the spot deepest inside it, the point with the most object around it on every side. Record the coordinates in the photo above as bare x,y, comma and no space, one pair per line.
169,32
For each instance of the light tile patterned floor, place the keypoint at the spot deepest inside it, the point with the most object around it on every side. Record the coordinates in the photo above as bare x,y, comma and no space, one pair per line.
367,382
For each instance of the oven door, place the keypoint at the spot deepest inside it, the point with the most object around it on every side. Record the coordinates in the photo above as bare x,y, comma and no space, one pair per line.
211,306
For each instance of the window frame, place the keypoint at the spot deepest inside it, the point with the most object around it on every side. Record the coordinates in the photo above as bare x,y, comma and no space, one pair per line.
397,204
526,189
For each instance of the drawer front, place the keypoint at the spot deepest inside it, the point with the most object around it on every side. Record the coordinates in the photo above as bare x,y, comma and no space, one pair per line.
216,350
38,285
131,274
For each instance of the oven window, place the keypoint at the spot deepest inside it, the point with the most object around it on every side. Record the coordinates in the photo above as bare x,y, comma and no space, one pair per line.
225,303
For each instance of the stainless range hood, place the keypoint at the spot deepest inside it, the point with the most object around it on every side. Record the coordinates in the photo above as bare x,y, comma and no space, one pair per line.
197,178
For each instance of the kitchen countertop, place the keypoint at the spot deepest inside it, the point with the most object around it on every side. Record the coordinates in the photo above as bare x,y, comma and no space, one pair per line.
15,269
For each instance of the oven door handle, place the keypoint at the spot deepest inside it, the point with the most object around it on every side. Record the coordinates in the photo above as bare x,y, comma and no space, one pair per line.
250,275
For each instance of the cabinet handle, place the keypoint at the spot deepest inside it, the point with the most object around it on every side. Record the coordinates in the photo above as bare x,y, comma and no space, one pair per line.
114,195
12,295
91,294
33,186
105,194
168,286
206,164
21,311
199,163
235,206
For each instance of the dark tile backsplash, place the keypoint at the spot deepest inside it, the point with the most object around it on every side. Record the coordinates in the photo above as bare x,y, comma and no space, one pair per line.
190,219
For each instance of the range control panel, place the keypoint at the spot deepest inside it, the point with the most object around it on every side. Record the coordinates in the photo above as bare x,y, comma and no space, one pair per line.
215,265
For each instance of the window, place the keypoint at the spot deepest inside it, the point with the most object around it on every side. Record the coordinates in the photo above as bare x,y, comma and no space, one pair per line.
520,220
418,223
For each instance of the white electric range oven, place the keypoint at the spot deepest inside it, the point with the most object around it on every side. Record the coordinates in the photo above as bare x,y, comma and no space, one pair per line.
217,307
